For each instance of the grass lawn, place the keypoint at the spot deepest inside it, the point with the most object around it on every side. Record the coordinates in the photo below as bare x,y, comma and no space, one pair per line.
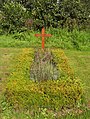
6,55
78,60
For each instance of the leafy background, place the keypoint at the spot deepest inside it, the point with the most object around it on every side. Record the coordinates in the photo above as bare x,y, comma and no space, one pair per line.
67,14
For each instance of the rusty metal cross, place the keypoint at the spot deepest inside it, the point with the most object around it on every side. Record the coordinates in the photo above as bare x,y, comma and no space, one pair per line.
43,35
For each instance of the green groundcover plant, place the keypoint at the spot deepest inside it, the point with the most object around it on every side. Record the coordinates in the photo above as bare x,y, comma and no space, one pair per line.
25,94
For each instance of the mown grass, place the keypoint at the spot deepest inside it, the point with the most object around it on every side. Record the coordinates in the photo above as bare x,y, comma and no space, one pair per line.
42,115
6,55
79,61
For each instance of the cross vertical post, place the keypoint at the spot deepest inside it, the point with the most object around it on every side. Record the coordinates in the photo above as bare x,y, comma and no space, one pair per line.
43,35
43,40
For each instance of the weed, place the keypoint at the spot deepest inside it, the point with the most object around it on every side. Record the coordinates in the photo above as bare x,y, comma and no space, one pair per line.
61,38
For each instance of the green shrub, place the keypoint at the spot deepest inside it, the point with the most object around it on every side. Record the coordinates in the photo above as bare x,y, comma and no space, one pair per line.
14,16
68,14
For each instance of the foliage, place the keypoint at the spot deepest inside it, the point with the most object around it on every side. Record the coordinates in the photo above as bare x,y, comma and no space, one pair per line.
62,62
75,14
68,14
44,14
13,17
79,59
61,38
23,93
78,40
87,2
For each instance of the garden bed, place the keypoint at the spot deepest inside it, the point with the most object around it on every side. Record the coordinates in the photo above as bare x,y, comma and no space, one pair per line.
23,93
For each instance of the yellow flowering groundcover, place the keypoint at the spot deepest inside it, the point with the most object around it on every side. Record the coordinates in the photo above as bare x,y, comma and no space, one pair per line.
23,93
